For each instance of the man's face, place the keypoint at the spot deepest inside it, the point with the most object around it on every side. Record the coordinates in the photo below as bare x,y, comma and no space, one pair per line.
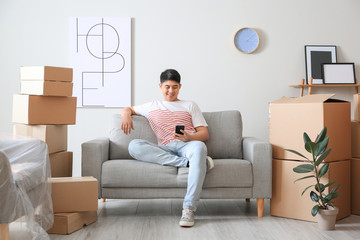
170,90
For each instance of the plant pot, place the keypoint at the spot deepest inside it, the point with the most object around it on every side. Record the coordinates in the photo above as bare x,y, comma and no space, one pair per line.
327,218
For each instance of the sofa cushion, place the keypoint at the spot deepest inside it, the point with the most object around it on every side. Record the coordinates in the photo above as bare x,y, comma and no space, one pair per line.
133,173
225,129
226,173
119,142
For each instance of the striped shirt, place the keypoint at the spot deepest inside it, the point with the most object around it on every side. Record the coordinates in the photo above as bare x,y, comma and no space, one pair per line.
163,116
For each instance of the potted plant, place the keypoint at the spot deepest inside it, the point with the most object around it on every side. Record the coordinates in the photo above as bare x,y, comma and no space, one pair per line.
324,210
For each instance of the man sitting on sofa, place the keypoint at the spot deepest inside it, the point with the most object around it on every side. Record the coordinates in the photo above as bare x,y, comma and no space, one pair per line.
179,150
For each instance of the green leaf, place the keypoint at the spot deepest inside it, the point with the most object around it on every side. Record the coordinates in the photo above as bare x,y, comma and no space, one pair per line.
323,170
306,138
314,196
304,168
306,189
329,184
322,188
315,210
322,157
311,147
308,147
321,135
304,178
335,188
331,196
322,146
324,201
297,153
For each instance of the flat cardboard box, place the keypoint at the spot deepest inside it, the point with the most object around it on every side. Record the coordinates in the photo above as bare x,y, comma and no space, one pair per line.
286,198
55,136
46,73
355,139
46,88
66,223
74,194
355,186
61,164
291,117
33,109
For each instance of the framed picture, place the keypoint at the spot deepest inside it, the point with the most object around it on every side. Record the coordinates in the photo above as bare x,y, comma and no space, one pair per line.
315,56
339,73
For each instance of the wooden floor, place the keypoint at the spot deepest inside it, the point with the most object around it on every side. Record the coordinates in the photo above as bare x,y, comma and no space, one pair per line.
215,219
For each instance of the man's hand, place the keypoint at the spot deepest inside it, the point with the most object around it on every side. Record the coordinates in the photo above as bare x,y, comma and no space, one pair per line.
202,134
127,123
185,138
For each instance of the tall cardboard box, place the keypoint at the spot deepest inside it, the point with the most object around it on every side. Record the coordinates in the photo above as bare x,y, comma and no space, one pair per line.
74,194
55,136
61,164
356,106
286,198
33,109
355,186
66,223
291,117
46,73
355,139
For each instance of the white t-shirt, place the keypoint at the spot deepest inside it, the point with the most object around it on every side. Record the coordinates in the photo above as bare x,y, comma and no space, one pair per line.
163,116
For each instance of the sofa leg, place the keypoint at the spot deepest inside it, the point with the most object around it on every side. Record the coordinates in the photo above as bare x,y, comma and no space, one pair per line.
247,199
103,199
260,207
4,231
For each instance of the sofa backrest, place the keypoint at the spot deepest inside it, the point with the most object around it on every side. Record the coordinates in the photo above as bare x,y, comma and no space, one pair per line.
225,130
119,142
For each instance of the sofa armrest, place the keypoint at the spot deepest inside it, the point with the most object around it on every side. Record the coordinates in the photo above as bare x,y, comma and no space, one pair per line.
259,153
94,153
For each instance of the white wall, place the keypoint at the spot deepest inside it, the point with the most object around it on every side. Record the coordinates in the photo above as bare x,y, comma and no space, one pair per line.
195,37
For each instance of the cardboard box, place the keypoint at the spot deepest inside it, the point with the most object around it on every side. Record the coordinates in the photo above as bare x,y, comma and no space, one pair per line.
46,73
61,164
356,105
32,109
291,117
355,186
286,198
355,139
55,136
46,88
66,223
74,194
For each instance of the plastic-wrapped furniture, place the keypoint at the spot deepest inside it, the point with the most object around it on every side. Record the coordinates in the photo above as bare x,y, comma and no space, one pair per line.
25,192
242,164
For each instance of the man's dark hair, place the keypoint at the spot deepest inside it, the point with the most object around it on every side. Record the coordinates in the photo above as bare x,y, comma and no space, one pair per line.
170,74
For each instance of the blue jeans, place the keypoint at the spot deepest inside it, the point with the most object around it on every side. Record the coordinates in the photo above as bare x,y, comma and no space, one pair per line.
177,154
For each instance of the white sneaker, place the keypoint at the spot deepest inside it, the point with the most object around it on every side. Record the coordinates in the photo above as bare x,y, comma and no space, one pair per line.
209,163
187,218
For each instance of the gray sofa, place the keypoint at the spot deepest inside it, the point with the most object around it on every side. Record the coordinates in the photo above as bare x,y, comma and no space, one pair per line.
242,164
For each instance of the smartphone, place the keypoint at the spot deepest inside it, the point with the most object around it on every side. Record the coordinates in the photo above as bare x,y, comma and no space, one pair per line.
178,128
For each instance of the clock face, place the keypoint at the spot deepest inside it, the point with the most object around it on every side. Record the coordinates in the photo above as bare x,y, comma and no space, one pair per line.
246,40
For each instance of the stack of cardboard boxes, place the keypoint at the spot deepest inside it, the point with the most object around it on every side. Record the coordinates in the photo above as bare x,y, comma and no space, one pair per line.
42,110
289,119
75,203
355,161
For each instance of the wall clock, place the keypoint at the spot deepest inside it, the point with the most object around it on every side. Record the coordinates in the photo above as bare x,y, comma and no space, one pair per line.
246,40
